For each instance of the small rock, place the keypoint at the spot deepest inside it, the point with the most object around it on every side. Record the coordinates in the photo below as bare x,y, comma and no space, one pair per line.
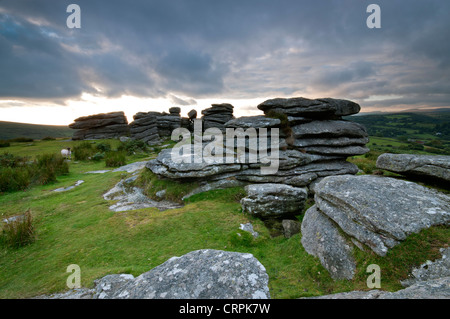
290,227
249,228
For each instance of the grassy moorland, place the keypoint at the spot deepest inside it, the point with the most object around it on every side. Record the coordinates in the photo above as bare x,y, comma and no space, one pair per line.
11,130
77,227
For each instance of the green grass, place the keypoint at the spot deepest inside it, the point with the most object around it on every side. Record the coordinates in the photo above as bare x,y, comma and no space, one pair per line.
76,227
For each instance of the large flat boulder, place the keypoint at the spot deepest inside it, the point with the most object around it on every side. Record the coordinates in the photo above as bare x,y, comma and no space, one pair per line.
246,122
303,107
372,212
329,128
429,166
380,212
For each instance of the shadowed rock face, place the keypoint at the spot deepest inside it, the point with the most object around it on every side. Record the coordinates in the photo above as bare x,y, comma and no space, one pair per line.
217,115
435,167
100,126
379,212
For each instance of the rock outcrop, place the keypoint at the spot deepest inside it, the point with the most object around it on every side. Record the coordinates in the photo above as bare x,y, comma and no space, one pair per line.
100,126
167,123
217,115
372,211
313,142
145,127
432,167
200,274
154,127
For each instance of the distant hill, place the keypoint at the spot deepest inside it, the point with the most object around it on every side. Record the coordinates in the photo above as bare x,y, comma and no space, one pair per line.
10,130
412,124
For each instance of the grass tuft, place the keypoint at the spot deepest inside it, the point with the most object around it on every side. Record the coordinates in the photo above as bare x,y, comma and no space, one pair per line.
18,231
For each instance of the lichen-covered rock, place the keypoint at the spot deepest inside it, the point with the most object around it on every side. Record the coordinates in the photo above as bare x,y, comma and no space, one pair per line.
430,166
430,270
380,212
106,287
200,274
253,121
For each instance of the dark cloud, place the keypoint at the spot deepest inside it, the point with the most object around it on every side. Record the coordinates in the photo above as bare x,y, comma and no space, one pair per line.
226,49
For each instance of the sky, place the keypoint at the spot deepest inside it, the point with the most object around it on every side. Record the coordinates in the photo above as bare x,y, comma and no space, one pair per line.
148,55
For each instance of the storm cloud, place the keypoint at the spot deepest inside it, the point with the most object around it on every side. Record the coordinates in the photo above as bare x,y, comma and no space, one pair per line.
227,49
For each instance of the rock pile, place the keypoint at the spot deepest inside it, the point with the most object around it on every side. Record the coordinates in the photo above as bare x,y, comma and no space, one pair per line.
100,126
432,167
375,212
217,115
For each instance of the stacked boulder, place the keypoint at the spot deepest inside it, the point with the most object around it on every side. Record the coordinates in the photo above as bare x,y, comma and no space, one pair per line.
316,126
217,115
152,127
100,126
168,122
145,127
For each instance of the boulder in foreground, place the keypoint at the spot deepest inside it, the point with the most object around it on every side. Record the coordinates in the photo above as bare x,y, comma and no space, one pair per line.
378,212
200,274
